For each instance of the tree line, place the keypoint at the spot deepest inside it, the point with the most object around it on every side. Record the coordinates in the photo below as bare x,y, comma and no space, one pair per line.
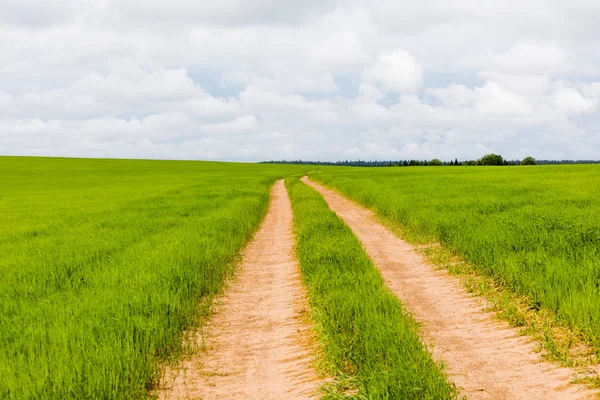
488,159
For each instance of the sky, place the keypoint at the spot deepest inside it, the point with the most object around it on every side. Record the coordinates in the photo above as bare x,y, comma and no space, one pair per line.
251,80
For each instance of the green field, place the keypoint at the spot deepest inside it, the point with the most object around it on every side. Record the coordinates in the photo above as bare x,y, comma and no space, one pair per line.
534,229
370,342
104,264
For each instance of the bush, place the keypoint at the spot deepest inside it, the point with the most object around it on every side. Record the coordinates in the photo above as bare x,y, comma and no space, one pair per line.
491,159
435,162
528,161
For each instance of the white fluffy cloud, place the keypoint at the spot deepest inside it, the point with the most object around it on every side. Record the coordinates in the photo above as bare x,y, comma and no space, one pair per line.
396,71
335,79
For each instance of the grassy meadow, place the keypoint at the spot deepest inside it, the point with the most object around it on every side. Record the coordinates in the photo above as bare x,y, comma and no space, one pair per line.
370,343
535,230
104,264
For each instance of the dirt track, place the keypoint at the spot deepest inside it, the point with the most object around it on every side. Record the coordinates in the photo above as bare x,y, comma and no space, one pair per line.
259,341
485,358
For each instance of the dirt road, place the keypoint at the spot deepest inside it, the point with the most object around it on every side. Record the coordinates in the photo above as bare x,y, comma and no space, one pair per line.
259,341
485,358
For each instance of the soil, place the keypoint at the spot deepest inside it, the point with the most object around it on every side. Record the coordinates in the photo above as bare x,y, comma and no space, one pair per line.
259,344
484,357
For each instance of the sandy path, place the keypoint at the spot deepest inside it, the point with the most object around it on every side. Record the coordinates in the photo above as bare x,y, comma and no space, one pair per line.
484,358
258,341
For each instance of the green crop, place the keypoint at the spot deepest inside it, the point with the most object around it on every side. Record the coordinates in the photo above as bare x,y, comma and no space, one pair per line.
535,230
105,263
366,334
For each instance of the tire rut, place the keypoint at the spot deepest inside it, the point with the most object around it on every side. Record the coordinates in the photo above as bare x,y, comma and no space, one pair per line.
258,344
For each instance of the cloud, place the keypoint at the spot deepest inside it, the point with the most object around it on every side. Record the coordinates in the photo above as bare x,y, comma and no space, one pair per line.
547,59
35,14
572,102
396,71
242,125
251,80
181,13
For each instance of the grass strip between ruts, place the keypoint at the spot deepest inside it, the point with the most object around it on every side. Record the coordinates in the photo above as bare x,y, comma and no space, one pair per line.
370,343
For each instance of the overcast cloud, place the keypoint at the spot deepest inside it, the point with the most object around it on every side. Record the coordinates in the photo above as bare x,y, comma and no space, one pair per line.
250,80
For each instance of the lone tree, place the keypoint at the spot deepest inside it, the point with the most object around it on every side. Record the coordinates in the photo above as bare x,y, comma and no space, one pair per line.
528,161
491,159
435,162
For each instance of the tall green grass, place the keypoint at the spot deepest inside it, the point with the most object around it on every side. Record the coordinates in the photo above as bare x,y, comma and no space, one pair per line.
535,230
104,263
364,330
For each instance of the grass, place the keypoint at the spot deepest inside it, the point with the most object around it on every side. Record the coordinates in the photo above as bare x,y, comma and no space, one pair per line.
531,234
370,344
104,264
556,340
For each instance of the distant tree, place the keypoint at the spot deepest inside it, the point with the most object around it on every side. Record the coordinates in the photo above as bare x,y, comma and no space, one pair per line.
361,163
435,162
491,159
528,161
